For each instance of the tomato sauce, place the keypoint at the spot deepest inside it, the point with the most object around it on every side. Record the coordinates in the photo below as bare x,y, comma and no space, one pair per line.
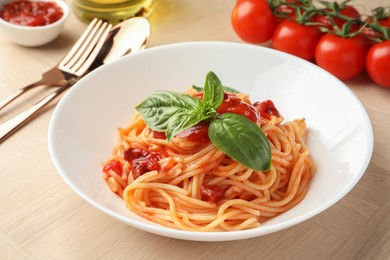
267,109
233,104
143,161
114,166
28,13
197,133
212,193
159,135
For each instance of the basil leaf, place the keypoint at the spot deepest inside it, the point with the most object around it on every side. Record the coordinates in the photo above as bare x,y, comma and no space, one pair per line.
198,89
242,140
225,88
231,90
158,108
213,91
183,120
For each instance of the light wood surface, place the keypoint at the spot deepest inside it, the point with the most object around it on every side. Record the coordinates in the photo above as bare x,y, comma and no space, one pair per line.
42,218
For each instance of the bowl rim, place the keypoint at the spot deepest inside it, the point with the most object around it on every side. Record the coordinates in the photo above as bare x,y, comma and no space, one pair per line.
64,6
219,235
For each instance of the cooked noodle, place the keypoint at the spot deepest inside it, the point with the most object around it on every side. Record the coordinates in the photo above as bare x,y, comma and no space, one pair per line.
173,194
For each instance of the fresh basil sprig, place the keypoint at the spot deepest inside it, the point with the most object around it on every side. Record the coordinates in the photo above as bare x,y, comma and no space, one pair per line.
235,135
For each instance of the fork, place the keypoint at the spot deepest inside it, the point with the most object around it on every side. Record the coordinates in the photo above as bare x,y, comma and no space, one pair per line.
73,64
69,70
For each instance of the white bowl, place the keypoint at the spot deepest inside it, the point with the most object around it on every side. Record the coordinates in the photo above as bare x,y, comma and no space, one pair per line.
84,125
34,36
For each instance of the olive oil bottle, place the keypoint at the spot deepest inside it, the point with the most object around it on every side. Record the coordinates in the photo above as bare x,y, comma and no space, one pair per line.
113,11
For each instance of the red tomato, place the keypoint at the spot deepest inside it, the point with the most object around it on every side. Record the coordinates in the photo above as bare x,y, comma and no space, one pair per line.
385,22
287,11
378,63
347,10
297,39
343,57
253,21
369,33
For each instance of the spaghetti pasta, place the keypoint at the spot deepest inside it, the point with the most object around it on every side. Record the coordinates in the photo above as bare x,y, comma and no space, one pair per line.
187,183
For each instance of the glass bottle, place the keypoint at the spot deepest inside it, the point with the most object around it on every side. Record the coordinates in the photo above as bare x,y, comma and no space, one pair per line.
113,11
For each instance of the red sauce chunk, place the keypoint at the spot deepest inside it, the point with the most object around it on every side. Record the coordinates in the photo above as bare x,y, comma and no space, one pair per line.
159,135
211,193
267,109
197,133
29,13
233,104
115,166
143,161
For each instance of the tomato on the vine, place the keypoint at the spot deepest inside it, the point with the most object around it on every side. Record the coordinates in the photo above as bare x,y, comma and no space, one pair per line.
297,39
345,10
287,10
343,57
385,22
253,20
381,16
376,34
378,63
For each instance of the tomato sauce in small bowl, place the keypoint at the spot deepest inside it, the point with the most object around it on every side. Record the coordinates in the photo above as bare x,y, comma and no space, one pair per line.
32,22
31,13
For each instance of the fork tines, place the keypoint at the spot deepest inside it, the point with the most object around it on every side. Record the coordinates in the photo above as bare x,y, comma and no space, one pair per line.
77,61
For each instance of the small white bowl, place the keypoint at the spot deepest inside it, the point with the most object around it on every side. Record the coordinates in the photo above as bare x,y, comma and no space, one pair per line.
33,35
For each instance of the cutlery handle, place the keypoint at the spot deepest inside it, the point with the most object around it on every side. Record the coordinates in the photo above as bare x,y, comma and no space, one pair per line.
5,102
13,124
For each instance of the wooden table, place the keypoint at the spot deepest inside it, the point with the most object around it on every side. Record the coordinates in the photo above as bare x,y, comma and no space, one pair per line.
42,218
